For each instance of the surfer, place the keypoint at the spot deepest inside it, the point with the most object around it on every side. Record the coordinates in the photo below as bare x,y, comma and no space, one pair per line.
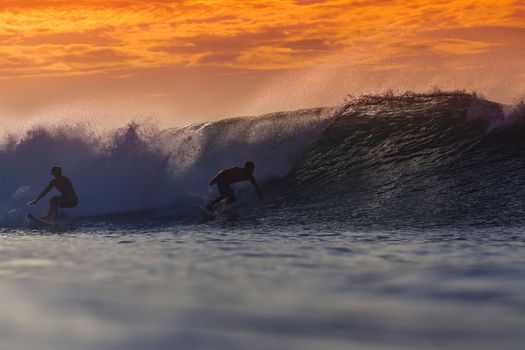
228,176
67,199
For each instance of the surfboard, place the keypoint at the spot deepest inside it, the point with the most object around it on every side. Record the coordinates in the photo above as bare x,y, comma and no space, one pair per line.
41,220
204,211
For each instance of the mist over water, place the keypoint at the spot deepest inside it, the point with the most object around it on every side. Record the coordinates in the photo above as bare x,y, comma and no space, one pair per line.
389,222
139,167
399,143
394,211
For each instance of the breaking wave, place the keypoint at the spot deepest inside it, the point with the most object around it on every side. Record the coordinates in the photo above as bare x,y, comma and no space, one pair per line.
439,159
412,159
139,168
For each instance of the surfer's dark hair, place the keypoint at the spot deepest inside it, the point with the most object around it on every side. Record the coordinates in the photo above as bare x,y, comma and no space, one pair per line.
249,164
56,168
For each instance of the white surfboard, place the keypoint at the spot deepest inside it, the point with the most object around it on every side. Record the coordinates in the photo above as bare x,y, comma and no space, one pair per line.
41,220
204,211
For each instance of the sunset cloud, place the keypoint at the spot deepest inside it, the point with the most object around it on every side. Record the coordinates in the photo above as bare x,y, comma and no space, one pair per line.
59,37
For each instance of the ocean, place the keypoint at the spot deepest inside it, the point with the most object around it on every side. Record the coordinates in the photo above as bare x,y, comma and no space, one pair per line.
389,222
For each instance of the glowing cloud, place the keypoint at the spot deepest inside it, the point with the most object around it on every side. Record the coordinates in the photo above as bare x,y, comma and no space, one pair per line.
64,37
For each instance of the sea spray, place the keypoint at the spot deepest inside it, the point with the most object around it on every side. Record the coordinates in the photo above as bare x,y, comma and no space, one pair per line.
393,160
138,167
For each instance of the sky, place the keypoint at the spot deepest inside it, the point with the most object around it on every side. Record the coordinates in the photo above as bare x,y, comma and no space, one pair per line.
181,62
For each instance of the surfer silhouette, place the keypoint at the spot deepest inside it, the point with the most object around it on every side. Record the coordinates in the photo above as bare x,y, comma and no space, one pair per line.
67,199
228,176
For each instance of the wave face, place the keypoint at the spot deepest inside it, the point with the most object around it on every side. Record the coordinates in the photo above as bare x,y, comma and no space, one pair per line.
138,168
389,161
412,160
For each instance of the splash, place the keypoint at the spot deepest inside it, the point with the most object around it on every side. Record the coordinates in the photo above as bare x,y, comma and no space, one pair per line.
138,167
394,159
495,115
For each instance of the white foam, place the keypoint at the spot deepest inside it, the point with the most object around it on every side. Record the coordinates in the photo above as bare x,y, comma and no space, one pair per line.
138,167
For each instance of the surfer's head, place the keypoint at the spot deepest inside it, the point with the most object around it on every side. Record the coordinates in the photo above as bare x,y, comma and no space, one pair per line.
249,166
56,171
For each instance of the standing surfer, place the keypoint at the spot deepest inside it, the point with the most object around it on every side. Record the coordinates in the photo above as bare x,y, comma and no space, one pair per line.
68,197
228,176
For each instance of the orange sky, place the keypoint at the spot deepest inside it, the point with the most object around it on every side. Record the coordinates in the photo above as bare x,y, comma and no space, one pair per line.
186,61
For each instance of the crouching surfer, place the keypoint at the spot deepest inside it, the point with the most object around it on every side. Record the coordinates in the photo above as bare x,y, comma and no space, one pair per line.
68,197
229,176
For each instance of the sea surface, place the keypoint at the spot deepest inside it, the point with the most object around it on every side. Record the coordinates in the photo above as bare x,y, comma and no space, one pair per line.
389,222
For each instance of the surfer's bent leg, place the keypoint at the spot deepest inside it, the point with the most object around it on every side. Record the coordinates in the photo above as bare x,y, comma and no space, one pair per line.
226,192
67,202
215,201
53,208
62,202
231,198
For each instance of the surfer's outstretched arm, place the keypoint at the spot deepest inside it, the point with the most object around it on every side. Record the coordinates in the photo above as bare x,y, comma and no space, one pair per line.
42,194
257,188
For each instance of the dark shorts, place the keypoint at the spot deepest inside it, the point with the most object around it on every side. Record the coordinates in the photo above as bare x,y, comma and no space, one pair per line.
67,201
224,188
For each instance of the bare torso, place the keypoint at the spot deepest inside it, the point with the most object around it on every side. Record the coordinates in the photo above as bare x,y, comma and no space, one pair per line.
235,174
64,186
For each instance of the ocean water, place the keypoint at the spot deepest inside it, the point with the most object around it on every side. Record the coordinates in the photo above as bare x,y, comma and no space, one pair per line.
390,222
